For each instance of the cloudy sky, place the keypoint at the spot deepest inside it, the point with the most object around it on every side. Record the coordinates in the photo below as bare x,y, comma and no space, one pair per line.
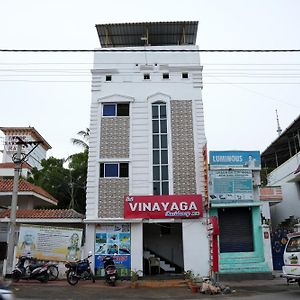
51,91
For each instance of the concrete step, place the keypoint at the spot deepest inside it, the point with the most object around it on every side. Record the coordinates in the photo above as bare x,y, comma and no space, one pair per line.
163,265
244,267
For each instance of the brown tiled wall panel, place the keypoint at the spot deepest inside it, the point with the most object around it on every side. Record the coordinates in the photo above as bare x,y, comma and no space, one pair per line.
114,137
183,147
111,195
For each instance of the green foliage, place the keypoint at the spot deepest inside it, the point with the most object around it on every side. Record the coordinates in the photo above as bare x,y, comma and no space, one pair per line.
135,275
67,185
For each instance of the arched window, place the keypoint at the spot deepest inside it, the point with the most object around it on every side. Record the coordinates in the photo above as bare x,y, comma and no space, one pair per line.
160,149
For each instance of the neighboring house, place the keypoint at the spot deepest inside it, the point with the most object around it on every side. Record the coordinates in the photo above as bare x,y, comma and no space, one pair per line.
244,242
7,170
56,218
29,195
282,162
146,143
27,134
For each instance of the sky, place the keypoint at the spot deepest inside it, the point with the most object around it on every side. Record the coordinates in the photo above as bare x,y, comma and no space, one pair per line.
52,91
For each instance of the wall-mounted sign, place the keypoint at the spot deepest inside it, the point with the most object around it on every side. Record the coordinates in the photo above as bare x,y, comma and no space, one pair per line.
230,185
163,207
50,243
235,159
113,239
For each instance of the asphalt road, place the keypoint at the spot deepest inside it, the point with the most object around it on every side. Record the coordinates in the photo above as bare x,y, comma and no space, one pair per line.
251,290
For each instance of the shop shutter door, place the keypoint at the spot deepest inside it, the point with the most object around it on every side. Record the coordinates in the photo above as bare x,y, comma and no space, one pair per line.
235,229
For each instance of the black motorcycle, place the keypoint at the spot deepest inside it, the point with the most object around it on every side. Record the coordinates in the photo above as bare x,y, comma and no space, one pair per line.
79,270
52,267
31,271
111,273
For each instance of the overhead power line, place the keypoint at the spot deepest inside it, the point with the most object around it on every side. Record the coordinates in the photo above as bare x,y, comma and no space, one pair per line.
151,50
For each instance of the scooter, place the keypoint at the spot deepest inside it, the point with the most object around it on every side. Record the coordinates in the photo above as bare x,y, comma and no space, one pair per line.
39,272
79,270
111,273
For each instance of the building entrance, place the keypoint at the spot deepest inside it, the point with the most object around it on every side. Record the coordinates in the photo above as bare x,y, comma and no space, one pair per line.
163,250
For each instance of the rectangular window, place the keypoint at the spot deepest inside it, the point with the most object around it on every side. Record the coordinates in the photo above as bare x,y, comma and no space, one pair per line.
185,75
115,109
166,76
147,76
113,170
123,109
108,78
109,109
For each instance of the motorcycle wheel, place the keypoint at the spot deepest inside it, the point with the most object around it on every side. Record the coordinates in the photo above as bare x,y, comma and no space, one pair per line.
53,273
44,279
72,278
16,276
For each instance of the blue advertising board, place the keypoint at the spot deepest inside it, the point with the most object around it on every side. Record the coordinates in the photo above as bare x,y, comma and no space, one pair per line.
113,240
230,185
235,159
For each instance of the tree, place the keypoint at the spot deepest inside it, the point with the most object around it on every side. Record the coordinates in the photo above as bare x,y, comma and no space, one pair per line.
85,134
67,185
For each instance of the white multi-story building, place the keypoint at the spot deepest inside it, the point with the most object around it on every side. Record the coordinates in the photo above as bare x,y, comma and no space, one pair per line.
282,158
146,145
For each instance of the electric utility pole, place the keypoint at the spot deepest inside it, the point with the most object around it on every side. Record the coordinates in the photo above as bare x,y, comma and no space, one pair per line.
18,158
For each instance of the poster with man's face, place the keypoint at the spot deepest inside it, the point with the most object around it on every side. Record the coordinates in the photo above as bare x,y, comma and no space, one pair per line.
49,243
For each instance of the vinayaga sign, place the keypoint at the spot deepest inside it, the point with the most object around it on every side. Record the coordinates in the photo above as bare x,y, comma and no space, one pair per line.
163,207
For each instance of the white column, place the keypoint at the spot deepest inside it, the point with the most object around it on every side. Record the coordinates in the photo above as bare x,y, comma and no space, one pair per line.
195,247
137,246
267,245
89,243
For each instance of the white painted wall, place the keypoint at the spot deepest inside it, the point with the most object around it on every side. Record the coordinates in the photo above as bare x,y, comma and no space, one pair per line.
290,204
89,244
195,247
137,247
127,69
266,237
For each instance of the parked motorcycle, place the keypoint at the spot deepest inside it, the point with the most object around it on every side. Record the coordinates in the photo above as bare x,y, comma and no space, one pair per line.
52,267
79,270
111,273
39,272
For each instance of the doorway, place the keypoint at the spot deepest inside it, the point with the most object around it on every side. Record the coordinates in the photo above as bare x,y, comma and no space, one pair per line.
164,242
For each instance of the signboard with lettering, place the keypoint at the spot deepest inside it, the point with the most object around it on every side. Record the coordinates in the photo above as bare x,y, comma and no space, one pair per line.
235,159
163,207
233,185
50,243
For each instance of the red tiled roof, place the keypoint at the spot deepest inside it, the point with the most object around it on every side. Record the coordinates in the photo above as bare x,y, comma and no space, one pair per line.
11,165
43,214
6,185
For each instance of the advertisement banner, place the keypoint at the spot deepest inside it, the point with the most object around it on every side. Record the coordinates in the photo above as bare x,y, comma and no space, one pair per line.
235,159
49,243
113,240
233,185
163,207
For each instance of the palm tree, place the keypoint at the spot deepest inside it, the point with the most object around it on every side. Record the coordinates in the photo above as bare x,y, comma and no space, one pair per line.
85,134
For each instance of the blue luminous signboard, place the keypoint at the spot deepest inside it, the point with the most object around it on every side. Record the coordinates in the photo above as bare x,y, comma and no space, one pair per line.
235,159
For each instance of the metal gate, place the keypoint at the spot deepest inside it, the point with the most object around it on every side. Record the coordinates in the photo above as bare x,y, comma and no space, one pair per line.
278,241
236,234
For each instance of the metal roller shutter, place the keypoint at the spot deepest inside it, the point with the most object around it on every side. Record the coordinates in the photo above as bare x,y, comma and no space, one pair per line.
236,233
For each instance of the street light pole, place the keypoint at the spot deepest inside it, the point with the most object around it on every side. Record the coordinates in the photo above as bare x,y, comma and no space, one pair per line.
13,210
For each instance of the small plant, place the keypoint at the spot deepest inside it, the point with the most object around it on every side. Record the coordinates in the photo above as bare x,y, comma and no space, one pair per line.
135,275
188,275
